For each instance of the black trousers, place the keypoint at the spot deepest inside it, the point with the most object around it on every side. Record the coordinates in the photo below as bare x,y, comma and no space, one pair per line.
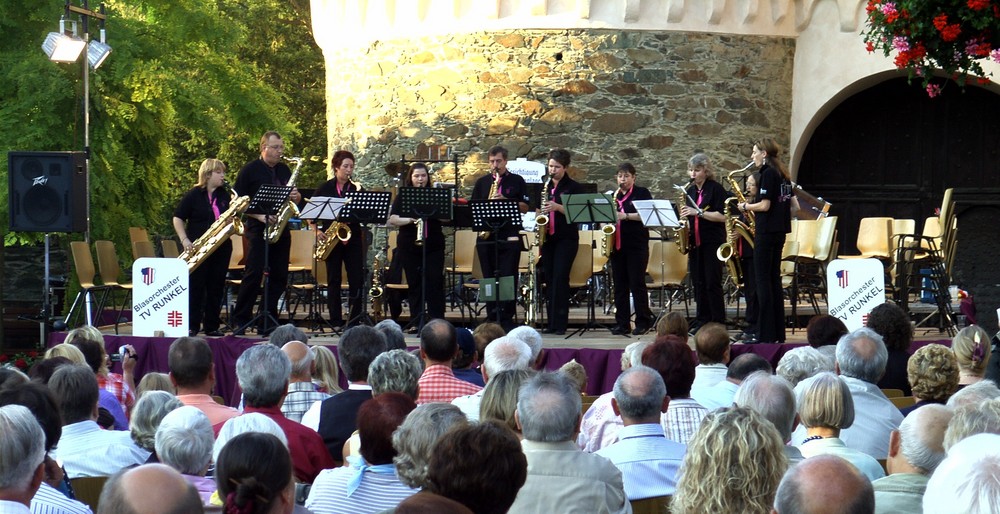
750,292
628,272
414,267
706,274
277,256
557,260
205,288
500,259
767,270
394,275
350,256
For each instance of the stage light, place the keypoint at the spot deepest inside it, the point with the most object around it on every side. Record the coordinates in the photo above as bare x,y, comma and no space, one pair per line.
61,47
97,52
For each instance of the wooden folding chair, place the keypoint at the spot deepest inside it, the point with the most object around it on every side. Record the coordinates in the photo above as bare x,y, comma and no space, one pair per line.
83,264
668,268
107,263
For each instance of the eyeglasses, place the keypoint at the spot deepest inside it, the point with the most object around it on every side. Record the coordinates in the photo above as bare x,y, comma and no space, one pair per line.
276,147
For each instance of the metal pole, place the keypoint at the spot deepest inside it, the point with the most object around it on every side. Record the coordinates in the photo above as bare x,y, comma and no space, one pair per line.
86,113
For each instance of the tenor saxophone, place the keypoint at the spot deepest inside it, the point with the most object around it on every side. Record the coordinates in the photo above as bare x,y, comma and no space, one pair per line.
493,191
727,251
681,233
228,224
288,209
542,220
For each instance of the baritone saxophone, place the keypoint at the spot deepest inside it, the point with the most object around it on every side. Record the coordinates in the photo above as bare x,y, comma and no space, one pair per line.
229,223
288,210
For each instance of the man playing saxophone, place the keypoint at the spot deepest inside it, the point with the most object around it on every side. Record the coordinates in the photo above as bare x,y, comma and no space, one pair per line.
411,252
561,241
195,213
708,231
503,259
269,169
350,254
630,256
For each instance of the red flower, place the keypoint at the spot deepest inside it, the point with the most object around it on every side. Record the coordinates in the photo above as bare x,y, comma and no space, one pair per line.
951,32
4,357
32,354
891,17
21,363
977,5
941,21
870,7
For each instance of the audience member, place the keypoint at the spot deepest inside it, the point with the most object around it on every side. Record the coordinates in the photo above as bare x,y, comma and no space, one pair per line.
336,417
722,393
972,419
254,475
966,480
395,371
147,415
577,373
155,381
772,397
504,353
192,372
90,342
392,333
736,447
861,358
22,458
263,373
826,408
499,402
369,484
672,323
479,465
68,351
647,460
915,450
825,484
823,332
302,392
933,375
438,346
467,355
416,440
184,442
801,363
632,355
42,404
246,423
974,394
149,489
426,502
486,333
972,348
327,375
286,333
561,478
107,405
893,324
85,449
711,342
533,339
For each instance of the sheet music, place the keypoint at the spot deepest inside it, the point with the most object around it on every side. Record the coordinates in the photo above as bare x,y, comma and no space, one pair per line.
656,213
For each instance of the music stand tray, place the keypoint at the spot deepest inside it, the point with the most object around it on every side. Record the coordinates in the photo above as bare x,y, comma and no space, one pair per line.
657,213
323,208
495,214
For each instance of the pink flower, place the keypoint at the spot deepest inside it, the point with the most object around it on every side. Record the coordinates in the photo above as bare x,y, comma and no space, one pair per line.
888,8
900,44
995,55
933,90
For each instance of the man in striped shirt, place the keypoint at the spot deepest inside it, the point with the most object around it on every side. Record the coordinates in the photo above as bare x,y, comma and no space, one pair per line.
438,346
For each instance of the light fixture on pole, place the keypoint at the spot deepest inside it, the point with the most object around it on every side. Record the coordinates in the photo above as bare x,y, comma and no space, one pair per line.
98,51
62,47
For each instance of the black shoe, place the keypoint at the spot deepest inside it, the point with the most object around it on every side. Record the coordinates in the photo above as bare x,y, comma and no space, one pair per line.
214,333
750,340
619,331
192,333
640,330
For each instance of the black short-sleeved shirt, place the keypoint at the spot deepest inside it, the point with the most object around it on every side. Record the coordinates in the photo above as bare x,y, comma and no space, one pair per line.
511,186
634,235
774,187
713,199
255,174
195,208
329,188
563,229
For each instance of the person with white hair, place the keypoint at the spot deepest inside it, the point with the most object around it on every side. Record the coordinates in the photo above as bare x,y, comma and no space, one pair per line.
503,354
184,442
972,419
966,481
252,422
533,339
915,451
772,396
22,458
302,392
801,363
632,355
974,394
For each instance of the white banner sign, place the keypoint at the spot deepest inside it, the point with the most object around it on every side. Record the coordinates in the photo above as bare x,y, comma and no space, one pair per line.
532,172
160,297
854,287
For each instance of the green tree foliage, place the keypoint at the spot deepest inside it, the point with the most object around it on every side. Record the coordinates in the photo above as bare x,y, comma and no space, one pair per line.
186,80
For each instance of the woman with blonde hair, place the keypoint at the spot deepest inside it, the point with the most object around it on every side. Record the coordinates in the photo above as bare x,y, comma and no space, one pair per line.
733,463
326,377
68,351
933,374
90,342
972,349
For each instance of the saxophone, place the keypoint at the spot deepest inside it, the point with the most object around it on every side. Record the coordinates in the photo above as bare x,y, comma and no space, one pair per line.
727,251
338,232
529,290
542,220
420,232
229,223
681,232
376,291
748,229
608,241
288,209
493,191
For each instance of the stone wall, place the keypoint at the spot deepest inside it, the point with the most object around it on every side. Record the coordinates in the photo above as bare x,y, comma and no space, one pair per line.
651,98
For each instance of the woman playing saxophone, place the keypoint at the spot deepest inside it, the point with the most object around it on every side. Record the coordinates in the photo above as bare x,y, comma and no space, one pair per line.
561,241
630,256
707,232
196,212
744,251
412,254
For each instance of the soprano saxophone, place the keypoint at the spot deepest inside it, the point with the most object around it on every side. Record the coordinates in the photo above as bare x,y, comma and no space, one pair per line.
288,209
493,191
542,220
681,233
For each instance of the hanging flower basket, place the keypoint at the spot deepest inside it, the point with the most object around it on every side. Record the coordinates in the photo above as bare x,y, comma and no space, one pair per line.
950,35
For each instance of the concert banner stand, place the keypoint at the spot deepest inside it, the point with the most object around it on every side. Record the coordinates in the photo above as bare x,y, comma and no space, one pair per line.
590,208
366,208
493,215
425,203
321,208
268,201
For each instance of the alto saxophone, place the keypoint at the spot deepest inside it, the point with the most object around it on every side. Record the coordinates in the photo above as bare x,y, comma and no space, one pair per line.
727,251
338,232
493,191
542,220
229,223
420,232
288,209
681,233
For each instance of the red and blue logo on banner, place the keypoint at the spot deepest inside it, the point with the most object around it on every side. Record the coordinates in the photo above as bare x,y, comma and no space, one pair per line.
147,275
842,278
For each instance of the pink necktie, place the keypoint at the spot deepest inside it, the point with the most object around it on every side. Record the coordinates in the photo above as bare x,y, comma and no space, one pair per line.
215,206
552,215
618,224
697,230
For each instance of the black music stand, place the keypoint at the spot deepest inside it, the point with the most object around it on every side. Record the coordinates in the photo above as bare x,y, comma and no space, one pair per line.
365,208
590,208
493,215
268,201
659,215
424,203
321,208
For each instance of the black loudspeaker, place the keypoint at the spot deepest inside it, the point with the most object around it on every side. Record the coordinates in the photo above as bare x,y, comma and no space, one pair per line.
48,191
